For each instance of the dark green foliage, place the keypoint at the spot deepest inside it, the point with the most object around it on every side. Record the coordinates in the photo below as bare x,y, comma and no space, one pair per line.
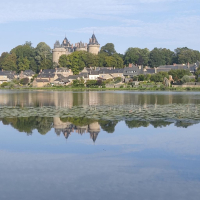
136,56
185,55
161,57
109,49
24,81
108,126
78,83
136,123
156,78
28,124
25,57
78,121
178,74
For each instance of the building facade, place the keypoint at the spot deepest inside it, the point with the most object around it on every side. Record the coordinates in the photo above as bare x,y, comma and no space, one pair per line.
67,48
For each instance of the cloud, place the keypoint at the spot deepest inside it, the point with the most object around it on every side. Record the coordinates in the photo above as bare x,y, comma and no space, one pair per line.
178,29
65,9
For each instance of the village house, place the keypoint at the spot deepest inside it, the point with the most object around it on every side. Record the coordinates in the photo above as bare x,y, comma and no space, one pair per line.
6,76
166,68
131,71
93,75
27,74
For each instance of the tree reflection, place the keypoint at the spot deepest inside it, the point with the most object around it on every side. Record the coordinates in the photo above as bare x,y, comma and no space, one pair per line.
80,125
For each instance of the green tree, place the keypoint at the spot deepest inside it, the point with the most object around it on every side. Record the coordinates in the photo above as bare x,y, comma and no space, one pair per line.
185,55
23,64
137,56
9,62
157,58
110,61
109,49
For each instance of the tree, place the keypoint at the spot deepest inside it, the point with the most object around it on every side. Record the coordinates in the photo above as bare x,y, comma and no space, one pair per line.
64,61
9,62
109,49
2,57
118,60
110,61
23,64
24,52
185,55
137,56
156,58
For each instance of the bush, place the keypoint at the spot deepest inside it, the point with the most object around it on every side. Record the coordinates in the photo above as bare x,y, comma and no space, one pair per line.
185,79
4,84
117,79
24,81
121,86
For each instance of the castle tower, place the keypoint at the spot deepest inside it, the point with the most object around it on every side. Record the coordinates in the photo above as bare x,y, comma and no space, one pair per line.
80,46
61,49
93,46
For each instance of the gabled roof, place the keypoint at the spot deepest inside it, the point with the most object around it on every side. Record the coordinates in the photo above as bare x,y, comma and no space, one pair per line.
46,75
132,71
42,80
94,73
8,74
48,71
73,77
149,71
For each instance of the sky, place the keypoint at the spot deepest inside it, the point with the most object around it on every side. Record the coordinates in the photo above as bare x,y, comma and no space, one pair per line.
128,23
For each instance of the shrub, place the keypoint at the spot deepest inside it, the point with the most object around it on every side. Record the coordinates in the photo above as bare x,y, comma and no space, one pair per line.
4,84
185,79
24,81
117,79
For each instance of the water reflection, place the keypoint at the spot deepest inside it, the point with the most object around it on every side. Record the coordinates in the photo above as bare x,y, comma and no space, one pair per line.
67,126
70,99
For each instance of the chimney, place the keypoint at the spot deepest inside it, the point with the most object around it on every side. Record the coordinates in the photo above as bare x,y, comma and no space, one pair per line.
155,70
130,65
2,70
188,64
174,64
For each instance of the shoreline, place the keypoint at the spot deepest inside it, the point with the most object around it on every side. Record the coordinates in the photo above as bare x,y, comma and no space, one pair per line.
107,89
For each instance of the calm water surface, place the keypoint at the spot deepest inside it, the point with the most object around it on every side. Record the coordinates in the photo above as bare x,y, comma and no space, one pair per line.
98,158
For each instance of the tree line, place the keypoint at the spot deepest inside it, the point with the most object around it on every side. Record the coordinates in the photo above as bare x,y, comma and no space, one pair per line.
25,57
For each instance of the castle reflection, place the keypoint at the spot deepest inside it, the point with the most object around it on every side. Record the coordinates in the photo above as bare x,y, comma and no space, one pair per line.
68,126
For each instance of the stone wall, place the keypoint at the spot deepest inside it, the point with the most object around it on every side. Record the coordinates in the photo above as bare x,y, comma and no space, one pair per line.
57,52
94,49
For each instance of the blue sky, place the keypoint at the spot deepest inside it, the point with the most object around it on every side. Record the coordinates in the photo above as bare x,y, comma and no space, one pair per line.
127,23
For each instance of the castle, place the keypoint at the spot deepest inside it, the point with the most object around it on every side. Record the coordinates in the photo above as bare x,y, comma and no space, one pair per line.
67,48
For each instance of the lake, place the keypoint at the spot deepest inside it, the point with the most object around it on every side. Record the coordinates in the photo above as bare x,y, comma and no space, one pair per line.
99,145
